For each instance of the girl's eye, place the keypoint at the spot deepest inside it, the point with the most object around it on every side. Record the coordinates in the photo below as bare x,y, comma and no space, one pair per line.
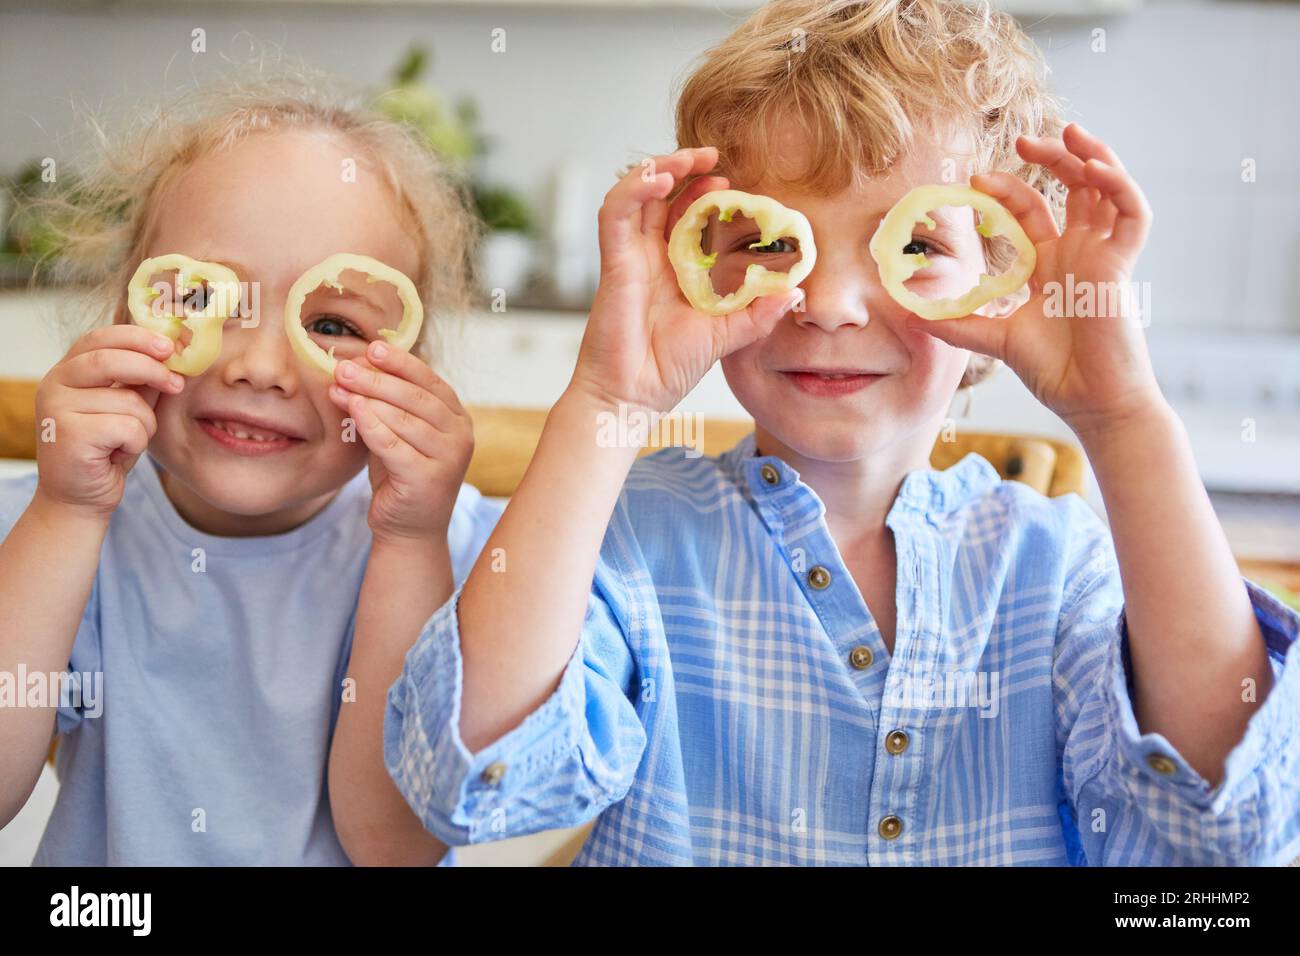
927,248
775,247
332,325
196,300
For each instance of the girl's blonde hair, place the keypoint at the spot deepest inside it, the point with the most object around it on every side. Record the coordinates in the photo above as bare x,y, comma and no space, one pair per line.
863,79
104,223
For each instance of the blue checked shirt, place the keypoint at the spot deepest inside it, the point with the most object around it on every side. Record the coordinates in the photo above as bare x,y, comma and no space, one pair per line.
731,700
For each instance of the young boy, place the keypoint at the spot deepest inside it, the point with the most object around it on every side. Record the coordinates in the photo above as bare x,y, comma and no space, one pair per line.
766,641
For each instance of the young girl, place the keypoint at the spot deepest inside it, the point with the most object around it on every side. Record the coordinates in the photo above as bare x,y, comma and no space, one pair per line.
209,549
760,671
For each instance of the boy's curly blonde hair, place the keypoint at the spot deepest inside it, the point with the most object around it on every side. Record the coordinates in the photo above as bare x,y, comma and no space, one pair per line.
104,223
864,78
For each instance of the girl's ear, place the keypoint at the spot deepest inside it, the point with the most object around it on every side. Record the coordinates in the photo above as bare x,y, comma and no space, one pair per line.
978,368
1003,306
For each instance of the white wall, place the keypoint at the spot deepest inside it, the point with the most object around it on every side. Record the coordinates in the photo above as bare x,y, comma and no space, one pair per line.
1185,91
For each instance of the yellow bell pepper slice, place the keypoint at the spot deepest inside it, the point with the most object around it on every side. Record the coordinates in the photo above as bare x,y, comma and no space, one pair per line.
774,221
204,324
896,267
327,273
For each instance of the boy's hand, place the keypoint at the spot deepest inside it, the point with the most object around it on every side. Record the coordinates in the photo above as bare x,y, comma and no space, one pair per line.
644,345
100,401
1091,370
419,436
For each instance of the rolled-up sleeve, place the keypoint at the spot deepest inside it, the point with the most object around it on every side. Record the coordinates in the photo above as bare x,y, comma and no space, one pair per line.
1137,799
569,759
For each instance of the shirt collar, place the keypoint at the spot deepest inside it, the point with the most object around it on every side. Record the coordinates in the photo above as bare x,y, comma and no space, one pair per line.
925,490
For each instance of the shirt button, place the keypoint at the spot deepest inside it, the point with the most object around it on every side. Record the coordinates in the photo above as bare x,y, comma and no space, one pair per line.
1162,764
493,774
860,657
819,578
770,475
890,827
896,742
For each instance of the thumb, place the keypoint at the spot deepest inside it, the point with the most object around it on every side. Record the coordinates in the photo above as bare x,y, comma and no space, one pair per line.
756,320
976,333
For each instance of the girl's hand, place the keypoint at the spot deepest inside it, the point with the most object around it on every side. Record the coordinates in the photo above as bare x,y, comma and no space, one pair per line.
1092,370
419,436
644,345
95,413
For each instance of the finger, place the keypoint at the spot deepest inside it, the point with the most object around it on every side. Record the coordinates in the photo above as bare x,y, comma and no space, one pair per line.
150,395
620,214
619,219
756,321
1053,154
1087,146
118,433
1080,202
1103,217
1133,213
682,163
1027,204
414,370
118,401
415,431
119,367
133,337
382,441
976,333
375,383
694,190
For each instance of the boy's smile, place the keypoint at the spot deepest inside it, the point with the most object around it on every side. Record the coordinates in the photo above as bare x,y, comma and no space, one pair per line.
844,378
829,382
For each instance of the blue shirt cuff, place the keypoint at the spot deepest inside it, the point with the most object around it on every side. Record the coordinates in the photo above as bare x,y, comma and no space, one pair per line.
459,796
1268,746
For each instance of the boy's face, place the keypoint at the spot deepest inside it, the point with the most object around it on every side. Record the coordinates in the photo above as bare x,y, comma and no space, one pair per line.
270,208
844,379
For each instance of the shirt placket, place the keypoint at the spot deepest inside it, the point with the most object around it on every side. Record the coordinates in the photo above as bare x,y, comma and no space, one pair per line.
795,516
903,739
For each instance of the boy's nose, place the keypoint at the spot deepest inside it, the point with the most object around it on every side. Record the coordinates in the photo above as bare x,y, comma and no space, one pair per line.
836,293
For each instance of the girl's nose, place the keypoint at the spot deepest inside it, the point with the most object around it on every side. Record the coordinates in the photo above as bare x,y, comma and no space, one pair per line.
256,351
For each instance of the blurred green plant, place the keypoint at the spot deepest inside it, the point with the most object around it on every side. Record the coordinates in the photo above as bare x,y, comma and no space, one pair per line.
29,236
454,135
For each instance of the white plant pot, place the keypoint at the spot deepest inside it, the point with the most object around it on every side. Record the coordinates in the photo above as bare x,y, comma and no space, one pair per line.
507,260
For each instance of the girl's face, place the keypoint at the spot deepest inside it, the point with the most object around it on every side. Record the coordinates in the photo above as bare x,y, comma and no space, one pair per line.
845,379
270,208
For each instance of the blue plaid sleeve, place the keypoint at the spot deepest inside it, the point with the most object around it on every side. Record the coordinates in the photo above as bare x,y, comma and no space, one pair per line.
573,756
1137,800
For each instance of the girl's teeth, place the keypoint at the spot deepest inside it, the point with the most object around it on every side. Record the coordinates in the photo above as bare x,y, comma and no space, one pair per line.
246,436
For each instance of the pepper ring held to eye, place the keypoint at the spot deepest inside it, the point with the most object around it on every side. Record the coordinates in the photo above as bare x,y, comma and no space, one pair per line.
221,292
327,273
895,233
774,221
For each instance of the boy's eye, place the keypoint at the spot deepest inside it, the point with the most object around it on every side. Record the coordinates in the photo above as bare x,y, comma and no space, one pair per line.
332,325
775,247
